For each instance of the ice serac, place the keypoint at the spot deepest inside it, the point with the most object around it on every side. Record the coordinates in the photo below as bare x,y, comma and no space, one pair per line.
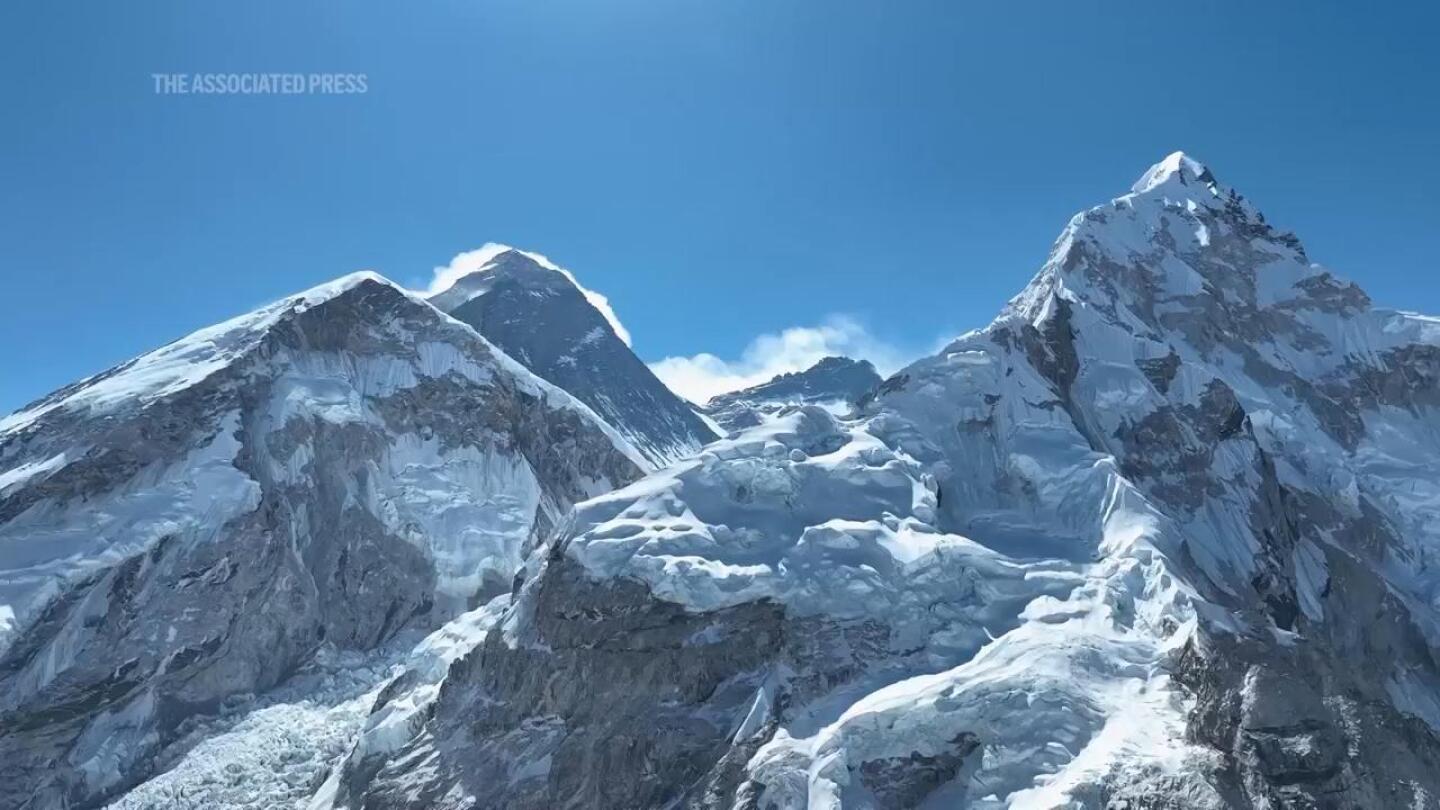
835,383
1163,535
537,314
305,482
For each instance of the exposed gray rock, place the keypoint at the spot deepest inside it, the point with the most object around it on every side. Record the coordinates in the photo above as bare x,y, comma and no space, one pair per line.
837,381
505,734
907,782
1299,731
537,315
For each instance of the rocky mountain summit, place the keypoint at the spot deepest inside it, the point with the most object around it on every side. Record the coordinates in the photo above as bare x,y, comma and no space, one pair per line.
1162,535
536,313
837,383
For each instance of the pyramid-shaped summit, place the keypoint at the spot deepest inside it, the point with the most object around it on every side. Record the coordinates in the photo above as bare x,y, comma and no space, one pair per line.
538,314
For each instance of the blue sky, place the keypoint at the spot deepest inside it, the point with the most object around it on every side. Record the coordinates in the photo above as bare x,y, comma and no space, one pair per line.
720,170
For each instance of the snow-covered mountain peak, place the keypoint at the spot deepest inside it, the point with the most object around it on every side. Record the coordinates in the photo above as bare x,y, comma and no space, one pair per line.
503,263
335,469
194,357
360,282
1177,167
837,362
349,281
1182,242
835,382
1181,182
474,273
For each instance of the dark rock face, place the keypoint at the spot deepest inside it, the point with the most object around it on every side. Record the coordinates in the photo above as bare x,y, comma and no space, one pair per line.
1299,730
832,380
645,704
566,740
904,782
1160,371
101,678
537,316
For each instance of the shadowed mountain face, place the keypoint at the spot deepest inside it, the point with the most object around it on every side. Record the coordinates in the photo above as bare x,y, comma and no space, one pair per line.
836,382
538,316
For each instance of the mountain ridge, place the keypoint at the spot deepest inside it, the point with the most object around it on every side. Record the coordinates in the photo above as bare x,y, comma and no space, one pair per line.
539,314
1082,557
837,382
331,471
1162,534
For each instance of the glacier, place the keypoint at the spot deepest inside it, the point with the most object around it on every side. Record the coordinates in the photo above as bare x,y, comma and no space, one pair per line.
1150,539
1161,535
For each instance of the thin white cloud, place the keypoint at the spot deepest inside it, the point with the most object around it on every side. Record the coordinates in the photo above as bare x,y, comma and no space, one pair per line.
463,265
473,260
702,376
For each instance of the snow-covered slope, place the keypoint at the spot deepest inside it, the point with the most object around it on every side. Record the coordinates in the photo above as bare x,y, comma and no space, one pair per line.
836,383
1162,535
536,313
193,526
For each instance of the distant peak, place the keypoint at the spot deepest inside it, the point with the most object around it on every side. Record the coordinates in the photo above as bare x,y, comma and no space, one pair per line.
1177,167
473,273
517,260
838,361
832,377
334,289
330,289
494,258
529,269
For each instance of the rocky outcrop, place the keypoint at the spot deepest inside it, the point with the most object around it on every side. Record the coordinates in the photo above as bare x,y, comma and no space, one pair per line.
835,382
534,741
538,314
1298,729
